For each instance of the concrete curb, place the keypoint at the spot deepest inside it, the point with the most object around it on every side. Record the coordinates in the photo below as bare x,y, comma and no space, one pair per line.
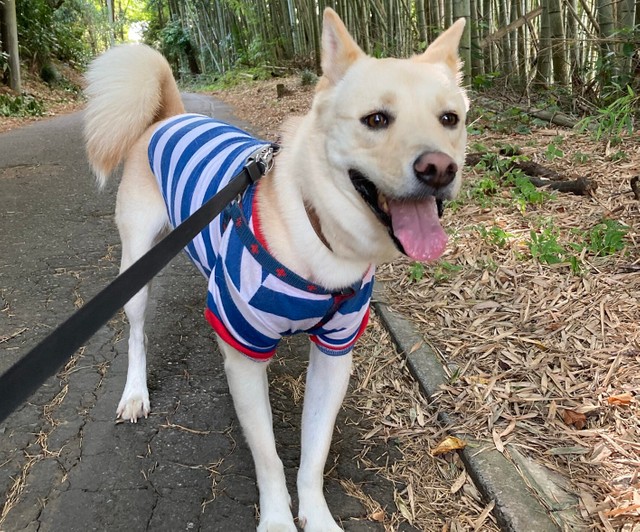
516,507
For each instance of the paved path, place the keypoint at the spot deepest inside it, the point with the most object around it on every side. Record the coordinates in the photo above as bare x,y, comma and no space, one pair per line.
64,464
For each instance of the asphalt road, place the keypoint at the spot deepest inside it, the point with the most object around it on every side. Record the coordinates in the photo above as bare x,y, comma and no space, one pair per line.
65,465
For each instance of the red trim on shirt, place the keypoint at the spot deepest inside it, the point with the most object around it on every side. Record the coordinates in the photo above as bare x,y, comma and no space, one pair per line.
365,322
345,347
224,334
255,218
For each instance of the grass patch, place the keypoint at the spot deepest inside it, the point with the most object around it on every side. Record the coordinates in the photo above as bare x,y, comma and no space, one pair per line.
21,105
228,80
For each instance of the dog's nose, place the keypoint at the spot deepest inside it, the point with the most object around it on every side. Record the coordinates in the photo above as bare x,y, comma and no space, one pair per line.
435,169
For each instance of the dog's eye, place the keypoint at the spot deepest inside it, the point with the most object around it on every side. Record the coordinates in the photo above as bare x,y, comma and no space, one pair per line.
449,119
376,120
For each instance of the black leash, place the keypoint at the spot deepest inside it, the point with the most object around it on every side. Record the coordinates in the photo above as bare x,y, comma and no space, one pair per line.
44,360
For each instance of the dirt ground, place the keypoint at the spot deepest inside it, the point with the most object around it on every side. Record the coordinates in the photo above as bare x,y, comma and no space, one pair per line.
534,309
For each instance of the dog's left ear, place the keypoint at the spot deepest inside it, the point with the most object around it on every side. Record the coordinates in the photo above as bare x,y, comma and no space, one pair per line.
339,50
445,48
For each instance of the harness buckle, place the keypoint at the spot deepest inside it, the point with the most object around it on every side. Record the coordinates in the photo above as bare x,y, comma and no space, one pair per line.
261,162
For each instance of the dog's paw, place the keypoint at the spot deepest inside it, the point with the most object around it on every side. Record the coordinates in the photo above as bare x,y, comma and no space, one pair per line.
133,406
274,524
318,520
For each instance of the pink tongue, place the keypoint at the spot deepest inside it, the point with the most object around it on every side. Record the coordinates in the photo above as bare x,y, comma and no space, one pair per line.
416,225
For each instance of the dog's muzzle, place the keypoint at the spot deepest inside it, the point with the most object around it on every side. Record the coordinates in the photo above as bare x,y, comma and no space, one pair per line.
378,203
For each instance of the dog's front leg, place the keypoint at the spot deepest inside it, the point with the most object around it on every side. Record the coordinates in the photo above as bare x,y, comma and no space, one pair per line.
327,381
250,391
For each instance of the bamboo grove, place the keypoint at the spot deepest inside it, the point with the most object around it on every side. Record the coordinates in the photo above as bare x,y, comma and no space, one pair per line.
583,46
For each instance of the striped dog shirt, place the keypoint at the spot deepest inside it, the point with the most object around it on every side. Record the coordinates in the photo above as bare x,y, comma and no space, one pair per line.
252,300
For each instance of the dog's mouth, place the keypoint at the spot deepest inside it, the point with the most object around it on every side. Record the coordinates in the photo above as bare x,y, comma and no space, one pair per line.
413,223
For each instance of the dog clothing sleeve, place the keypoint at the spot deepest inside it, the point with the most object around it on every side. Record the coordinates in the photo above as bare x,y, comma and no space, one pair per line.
252,299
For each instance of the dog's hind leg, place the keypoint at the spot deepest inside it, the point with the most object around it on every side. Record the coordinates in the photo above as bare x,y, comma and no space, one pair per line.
141,217
249,388
327,382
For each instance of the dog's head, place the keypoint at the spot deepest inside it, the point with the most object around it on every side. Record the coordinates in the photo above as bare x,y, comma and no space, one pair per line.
395,132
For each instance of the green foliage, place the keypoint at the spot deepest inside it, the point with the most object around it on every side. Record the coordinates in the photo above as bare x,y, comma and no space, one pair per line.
483,189
606,238
511,120
255,53
616,118
441,271
235,77
4,63
478,146
525,192
544,246
444,270
494,164
49,73
455,205
553,151
53,30
473,129
580,158
174,39
484,81
509,150
416,271
308,78
501,171
494,235
618,156
20,106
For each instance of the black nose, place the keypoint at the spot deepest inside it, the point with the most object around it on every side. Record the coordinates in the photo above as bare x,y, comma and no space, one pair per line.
435,169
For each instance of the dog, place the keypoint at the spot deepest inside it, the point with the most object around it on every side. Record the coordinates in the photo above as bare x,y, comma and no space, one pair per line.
361,178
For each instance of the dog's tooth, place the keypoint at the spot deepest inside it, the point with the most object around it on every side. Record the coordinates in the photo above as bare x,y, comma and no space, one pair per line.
382,202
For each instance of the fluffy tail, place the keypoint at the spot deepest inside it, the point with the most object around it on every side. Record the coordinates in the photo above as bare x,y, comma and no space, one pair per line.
129,88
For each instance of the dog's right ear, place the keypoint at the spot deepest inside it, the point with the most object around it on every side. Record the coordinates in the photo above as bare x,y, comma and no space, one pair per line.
339,50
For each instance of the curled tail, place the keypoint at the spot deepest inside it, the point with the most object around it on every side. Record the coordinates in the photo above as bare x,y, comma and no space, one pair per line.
129,88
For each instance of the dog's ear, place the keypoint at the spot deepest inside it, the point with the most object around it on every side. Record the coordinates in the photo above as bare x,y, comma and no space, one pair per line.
339,50
445,48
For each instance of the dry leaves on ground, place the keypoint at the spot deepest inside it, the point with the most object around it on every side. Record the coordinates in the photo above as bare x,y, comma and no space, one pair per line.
57,99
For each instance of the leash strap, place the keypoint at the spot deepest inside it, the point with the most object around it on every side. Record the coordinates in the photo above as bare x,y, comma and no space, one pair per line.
44,360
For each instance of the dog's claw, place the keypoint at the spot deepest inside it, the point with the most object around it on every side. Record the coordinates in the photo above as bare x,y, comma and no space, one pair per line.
133,408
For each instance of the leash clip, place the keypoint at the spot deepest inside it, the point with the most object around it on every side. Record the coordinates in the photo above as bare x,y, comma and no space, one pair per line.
261,162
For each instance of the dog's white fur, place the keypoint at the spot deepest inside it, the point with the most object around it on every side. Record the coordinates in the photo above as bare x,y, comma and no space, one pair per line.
131,88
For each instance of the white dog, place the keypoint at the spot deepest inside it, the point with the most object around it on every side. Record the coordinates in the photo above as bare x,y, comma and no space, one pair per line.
361,177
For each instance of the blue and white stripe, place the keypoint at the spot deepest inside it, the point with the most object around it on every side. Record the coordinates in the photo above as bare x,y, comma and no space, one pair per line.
253,300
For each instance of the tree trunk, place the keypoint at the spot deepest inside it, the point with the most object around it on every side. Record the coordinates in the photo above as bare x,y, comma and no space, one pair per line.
543,71
558,54
513,41
607,29
523,55
505,53
575,51
111,23
626,18
477,63
461,9
11,44
487,25
421,20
